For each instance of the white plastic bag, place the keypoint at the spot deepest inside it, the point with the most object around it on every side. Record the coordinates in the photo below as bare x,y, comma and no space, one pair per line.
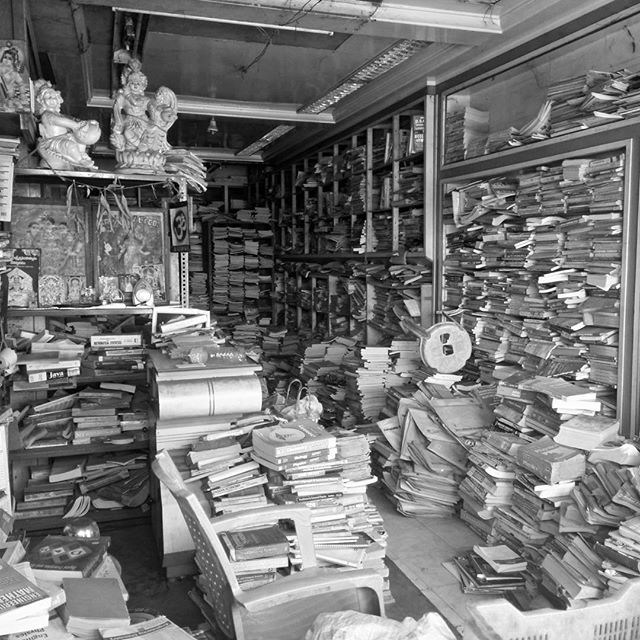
353,625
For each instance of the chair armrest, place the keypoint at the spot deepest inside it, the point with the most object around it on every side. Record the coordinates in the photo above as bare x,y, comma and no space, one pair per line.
309,583
300,514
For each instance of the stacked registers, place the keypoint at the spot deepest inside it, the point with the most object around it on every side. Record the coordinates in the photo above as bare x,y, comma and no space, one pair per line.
98,414
38,586
365,375
114,354
329,473
230,479
70,486
433,448
47,360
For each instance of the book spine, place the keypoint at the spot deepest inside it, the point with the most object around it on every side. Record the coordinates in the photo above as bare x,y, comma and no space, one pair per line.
124,340
53,374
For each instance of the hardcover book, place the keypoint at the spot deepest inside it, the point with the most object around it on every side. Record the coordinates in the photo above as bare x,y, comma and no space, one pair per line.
19,597
297,436
255,543
57,557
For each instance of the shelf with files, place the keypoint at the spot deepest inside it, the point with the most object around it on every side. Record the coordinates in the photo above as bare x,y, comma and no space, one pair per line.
553,263
42,437
580,82
240,263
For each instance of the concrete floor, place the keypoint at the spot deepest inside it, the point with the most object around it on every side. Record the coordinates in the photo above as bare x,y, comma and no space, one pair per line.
416,549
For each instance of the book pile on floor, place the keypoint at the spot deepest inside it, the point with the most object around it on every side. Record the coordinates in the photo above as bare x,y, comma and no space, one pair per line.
365,374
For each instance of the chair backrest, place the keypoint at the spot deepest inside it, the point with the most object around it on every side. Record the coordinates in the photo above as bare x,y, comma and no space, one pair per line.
217,574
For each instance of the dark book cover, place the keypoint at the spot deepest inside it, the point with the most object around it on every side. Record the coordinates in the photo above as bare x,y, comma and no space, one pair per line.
255,543
22,279
58,556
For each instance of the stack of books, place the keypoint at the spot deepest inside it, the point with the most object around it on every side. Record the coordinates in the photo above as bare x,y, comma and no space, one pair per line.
114,354
231,481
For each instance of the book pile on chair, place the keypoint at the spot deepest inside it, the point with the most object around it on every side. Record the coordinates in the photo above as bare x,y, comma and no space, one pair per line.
329,473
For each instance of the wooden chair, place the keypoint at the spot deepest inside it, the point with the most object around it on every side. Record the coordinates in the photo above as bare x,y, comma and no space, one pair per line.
281,610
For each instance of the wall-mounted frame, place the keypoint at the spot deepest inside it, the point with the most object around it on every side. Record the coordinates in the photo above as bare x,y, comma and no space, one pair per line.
61,233
128,248
179,217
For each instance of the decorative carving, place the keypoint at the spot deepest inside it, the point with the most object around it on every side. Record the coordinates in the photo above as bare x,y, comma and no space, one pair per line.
140,123
63,140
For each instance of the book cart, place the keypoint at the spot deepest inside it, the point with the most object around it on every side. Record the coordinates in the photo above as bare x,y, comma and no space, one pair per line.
35,183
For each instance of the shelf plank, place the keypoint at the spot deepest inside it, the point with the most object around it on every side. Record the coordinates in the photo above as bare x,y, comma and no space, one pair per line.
76,450
126,515
93,176
58,312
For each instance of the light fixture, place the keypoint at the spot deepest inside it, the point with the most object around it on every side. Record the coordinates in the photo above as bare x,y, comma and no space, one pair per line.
213,126
383,62
245,23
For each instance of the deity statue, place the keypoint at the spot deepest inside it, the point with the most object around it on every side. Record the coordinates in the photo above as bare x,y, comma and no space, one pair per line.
140,123
63,140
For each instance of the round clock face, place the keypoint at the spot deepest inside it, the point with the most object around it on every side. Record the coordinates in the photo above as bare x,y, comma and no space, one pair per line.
142,293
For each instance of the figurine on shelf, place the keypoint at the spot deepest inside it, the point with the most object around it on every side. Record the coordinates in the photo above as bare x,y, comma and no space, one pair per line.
14,85
140,123
63,140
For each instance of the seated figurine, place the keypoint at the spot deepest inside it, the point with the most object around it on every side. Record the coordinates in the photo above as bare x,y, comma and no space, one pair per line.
140,123
63,140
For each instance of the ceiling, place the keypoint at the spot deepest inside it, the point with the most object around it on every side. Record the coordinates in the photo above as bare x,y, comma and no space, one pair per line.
257,65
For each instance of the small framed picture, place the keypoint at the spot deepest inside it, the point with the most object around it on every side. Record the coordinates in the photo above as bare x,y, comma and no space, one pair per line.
178,214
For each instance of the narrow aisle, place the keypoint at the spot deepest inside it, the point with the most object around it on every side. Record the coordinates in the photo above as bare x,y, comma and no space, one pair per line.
418,546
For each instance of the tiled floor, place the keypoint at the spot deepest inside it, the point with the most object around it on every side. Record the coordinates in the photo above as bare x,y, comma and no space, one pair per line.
418,546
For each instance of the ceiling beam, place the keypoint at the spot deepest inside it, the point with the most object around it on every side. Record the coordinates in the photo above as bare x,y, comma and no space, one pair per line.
195,105
410,19
84,46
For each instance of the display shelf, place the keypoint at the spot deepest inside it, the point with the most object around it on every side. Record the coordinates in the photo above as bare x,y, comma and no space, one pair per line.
62,312
453,290
94,177
127,516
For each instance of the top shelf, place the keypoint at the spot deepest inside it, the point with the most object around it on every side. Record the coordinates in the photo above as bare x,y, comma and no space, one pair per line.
81,311
92,176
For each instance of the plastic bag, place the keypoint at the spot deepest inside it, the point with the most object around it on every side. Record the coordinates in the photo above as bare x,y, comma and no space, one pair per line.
353,625
300,407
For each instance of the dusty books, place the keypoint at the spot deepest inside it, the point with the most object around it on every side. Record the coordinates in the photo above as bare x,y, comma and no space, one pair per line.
93,604
550,461
58,556
255,543
20,599
159,628
587,432
290,438
501,558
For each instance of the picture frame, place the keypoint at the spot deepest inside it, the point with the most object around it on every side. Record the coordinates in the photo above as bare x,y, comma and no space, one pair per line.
128,249
179,223
61,233
15,85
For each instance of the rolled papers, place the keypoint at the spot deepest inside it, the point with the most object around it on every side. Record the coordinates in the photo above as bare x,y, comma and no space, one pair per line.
208,397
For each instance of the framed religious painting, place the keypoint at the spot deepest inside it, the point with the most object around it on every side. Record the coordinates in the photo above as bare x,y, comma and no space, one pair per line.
15,87
130,252
60,233
179,217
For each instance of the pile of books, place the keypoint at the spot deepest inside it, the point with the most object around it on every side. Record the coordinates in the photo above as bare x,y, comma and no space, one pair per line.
114,354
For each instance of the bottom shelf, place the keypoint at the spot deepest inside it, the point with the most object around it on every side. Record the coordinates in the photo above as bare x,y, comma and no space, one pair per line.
106,519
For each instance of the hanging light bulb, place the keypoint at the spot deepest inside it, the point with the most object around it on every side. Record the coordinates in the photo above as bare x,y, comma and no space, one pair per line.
213,126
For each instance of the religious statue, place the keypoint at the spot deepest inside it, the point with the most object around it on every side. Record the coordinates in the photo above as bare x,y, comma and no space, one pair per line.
63,140
140,123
